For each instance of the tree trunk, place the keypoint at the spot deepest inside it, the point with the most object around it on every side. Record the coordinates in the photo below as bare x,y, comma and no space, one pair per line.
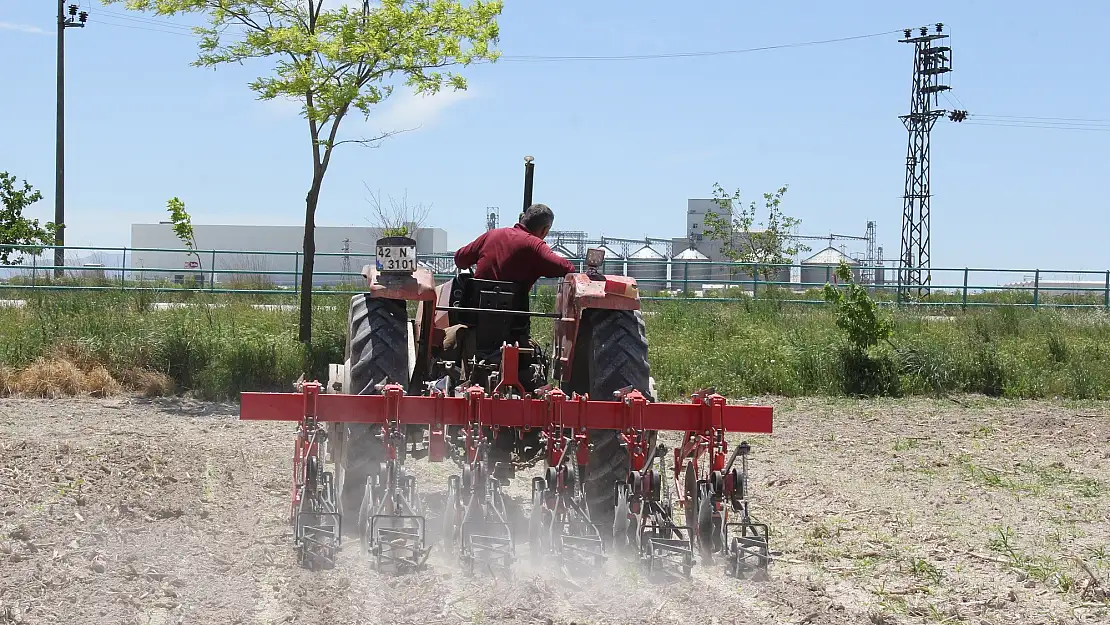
305,332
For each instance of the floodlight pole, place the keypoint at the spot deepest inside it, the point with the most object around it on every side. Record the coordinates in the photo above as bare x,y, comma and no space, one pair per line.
75,19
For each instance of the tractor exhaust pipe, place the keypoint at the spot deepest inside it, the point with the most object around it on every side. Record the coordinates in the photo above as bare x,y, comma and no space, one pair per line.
529,168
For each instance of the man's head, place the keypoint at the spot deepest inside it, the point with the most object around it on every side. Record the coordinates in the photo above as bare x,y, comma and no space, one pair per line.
537,219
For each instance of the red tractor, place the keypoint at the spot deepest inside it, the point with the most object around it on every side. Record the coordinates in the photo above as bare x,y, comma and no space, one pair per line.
458,376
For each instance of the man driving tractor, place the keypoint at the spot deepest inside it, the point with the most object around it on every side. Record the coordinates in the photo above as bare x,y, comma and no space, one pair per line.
517,254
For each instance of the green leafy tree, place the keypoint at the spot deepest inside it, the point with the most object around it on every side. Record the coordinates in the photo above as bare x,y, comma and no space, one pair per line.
15,229
339,61
856,313
746,238
862,372
183,226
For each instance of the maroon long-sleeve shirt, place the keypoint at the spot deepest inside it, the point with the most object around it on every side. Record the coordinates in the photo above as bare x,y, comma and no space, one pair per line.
513,255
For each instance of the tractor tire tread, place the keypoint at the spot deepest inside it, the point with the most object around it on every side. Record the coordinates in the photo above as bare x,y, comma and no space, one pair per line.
618,359
378,350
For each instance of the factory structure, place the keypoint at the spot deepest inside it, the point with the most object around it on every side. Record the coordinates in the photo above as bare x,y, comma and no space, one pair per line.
696,262
236,253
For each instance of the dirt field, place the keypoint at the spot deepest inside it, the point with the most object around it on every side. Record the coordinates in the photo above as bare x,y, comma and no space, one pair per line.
131,511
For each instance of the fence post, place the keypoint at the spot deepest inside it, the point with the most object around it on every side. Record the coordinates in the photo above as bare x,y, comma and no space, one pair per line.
755,281
686,278
212,272
965,289
1106,293
296,272
35,270
123,270
898,293
1036,288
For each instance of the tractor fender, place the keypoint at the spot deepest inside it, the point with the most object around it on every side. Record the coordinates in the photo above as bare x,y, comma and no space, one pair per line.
579,292
420,286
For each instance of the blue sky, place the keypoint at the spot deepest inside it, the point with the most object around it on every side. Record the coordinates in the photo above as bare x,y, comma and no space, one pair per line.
619,145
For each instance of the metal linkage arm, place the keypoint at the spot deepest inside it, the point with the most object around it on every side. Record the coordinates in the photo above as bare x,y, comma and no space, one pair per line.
555,407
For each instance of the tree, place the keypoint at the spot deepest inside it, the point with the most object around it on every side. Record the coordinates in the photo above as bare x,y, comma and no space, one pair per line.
398,219
15,229
335,61
768,243
856,313
183,225
863,372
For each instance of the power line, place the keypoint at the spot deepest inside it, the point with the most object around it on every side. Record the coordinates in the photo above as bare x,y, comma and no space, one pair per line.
535,58
532,58
1038,126
1018,118
152,30
143,20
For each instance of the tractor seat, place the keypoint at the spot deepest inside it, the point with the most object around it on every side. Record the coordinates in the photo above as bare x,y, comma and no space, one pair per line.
491,329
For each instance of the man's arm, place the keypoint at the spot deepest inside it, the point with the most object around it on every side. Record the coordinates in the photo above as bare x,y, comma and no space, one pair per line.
467,256
550,264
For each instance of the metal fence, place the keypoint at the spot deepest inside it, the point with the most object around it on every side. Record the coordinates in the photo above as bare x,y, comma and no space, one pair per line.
279,273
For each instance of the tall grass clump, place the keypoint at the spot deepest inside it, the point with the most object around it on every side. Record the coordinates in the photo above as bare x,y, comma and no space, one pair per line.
214,346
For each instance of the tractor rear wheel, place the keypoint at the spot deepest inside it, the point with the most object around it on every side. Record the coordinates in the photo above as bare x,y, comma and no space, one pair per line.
616,357
377,347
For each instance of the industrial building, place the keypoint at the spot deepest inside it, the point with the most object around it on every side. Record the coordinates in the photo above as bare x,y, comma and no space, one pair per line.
696,262
339,250
821,268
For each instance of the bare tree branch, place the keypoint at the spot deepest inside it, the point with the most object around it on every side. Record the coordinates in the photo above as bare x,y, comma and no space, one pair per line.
382,137
399,216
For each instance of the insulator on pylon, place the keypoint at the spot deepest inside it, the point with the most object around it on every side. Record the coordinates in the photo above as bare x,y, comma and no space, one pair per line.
940,28
72,10
907,32
83,16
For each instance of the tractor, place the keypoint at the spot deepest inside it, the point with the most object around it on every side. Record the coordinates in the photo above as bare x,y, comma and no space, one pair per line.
454,342
451,371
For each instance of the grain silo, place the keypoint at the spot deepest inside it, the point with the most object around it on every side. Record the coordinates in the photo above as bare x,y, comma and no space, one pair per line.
821,268
690,266
649,268
562,252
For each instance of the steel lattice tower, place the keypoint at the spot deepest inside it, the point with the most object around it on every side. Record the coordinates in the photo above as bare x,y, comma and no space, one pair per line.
930,65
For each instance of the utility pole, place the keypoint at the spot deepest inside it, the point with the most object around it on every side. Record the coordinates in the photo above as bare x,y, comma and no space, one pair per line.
869,266
74,20
346,259
930,64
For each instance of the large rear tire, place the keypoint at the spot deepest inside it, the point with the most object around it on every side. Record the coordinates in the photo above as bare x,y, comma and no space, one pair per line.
617,357
377,349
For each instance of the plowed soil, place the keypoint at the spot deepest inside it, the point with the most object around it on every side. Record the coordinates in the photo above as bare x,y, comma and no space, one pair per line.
916,511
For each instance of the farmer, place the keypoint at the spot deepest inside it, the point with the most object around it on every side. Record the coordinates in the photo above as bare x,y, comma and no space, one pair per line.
517,254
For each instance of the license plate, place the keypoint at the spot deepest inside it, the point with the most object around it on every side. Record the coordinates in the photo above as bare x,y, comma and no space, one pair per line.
399,258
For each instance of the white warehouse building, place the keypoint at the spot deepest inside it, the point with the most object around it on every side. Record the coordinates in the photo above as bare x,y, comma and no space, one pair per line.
226,247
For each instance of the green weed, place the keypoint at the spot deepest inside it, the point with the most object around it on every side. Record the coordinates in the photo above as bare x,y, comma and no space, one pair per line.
903,444
926,570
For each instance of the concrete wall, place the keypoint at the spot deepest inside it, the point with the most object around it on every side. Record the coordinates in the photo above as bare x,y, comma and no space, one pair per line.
290,239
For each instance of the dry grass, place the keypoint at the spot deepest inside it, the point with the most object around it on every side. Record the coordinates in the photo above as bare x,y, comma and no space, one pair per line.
7,380
61,377
149,383
100,383
56,377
